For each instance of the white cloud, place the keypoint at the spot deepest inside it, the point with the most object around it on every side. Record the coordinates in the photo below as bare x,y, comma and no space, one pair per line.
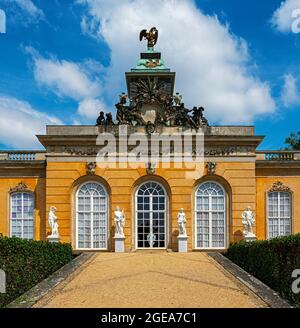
211,63
20,123
90,108
282,18
29,8
88,27
66,79
290,94
72,80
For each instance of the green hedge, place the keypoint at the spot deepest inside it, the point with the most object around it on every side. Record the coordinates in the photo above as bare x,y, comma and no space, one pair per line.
26,263
271,261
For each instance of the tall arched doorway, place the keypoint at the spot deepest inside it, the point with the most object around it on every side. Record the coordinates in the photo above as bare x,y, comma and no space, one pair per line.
210,216
151,216
91,217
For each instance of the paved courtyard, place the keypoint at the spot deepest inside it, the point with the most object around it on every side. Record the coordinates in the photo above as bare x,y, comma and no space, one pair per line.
147,280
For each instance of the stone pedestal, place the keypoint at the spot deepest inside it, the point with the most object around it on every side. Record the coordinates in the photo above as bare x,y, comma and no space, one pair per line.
182,244
53,239
249,237
119,244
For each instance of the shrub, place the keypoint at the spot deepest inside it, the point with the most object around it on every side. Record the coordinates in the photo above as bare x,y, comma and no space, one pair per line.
26,263
271,261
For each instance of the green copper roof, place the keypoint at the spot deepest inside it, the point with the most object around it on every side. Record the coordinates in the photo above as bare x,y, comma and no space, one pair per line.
152,62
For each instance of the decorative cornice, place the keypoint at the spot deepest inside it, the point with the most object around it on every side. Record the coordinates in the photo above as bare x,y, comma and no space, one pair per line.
82,151
21,187
208,151
279,187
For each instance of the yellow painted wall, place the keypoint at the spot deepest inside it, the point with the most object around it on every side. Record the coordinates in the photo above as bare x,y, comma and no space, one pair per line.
63,179
38,187
265,180
245,186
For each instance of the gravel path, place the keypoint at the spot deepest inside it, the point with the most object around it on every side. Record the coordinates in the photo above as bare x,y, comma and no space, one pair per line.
149,280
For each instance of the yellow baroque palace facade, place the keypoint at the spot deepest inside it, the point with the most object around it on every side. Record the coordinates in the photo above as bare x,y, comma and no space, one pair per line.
69,175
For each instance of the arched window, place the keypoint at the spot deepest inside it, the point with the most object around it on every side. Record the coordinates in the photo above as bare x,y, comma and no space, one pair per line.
22,215
91,218
151,216
279,214
210,216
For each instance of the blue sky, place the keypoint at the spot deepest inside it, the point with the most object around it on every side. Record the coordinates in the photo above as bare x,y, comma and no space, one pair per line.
61,61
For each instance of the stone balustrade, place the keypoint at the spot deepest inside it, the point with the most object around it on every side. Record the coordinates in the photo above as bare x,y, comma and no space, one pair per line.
22,156
279,155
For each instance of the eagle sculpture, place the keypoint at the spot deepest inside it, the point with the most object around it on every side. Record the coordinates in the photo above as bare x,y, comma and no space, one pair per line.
151,36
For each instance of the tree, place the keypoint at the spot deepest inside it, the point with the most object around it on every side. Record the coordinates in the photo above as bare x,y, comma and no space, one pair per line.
293,141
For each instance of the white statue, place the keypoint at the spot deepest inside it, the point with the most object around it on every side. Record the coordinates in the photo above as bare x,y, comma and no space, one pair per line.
119,222
181,223
248,221
52,219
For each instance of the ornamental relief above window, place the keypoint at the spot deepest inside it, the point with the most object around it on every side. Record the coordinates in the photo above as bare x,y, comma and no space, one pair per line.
280,187
21,187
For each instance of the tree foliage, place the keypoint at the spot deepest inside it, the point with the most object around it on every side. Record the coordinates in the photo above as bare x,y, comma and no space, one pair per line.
293,141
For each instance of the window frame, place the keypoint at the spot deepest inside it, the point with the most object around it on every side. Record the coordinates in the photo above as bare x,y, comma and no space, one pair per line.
166,211
210,211
267,213
76,218
33,214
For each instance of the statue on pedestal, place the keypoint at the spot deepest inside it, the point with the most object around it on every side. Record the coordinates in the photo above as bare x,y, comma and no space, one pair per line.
182,223
52,220
248,221
119,222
